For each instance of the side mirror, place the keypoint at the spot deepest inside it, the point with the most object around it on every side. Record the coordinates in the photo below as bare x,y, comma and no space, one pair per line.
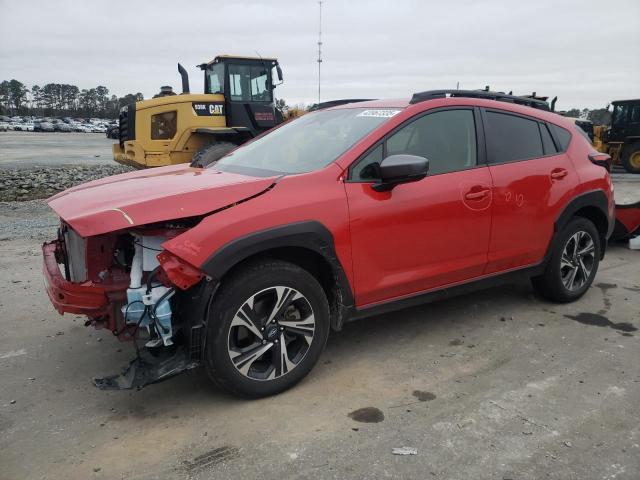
397,169
279,74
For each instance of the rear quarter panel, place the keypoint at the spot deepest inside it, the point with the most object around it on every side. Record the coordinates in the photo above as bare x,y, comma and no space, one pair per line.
592,177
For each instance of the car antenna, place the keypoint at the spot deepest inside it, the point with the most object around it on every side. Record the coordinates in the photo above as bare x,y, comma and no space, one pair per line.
261,60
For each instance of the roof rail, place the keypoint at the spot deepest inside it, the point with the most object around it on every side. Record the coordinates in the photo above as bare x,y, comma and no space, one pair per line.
499,96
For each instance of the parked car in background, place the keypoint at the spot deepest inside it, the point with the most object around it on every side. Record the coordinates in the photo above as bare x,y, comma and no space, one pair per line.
24,127
3,126
31,123
47,127
113,131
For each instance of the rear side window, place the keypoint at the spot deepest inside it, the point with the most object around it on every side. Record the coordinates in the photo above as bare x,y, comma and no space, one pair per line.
511,138
547,141
563,136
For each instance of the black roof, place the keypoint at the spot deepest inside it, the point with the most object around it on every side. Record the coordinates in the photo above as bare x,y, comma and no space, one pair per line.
499,96
616,102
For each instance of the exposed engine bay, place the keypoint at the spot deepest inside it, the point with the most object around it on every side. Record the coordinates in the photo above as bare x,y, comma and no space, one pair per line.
125,282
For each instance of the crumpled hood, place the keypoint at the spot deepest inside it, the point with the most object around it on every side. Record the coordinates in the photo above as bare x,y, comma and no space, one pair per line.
149,196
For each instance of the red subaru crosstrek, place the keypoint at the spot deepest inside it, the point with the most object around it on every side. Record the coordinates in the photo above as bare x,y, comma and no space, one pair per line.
245,266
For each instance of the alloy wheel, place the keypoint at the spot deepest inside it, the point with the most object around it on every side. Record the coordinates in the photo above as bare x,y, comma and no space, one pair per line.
577,261
271,333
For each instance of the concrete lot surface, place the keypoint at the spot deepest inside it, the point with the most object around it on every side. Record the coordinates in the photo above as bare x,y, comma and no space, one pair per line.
28,149
494,385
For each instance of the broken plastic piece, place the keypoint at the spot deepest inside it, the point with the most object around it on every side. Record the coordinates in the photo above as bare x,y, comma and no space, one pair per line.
405,451
146,370
181,274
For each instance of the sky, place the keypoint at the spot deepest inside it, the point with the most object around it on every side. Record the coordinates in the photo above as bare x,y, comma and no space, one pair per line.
586,52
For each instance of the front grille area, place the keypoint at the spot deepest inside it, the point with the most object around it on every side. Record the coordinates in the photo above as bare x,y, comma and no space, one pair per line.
127,121
75,250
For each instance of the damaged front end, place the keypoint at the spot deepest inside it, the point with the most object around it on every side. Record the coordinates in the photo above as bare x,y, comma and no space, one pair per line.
127,283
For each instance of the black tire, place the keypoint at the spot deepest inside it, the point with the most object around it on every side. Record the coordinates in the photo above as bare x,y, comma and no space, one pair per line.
249,283
551,284
631,158
211,153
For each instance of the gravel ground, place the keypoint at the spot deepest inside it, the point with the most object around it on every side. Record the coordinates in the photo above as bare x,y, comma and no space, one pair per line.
38,165
493,385
27,220
42,182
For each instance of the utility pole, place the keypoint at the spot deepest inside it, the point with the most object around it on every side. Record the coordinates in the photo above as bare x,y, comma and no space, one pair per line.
319,46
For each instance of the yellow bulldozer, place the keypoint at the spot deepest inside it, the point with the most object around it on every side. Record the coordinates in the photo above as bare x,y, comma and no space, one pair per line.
199,128
621,140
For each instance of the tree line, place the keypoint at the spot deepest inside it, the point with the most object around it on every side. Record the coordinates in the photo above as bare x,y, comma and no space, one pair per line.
598,116
64,100
61,100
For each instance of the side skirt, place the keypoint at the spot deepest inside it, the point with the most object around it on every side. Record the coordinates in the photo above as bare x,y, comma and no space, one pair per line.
446,292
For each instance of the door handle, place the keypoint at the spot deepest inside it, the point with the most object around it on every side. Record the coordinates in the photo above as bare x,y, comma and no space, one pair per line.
476,195
559,174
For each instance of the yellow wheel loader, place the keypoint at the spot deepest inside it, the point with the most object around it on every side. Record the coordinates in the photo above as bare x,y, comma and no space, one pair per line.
621,139
237,105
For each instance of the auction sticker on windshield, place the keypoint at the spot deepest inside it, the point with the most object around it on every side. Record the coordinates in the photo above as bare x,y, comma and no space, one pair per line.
379,113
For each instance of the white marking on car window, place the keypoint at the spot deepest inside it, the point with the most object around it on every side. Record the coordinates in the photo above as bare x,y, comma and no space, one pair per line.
379,113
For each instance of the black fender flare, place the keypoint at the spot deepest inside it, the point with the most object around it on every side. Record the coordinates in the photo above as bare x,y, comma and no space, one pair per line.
310,234
594,198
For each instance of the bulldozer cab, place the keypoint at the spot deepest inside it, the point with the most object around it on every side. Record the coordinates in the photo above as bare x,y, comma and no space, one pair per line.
625,120
621,140
198,128
247,84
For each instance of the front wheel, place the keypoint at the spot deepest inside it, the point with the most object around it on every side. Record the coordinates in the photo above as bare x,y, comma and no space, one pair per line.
631,158
573,263
211,153
266,328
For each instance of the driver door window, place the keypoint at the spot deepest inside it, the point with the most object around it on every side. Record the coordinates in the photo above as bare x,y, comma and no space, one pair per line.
446,138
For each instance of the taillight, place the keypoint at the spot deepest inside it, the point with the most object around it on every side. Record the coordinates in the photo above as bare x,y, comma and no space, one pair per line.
179,272
601,159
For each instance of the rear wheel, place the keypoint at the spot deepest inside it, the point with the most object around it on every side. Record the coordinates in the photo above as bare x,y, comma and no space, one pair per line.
573,263
211,153
267,326
631,158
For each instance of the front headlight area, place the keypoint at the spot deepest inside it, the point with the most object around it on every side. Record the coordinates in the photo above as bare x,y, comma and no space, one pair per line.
127,283
156,276
148,304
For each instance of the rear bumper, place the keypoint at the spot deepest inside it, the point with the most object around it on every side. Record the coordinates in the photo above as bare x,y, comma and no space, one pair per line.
68,297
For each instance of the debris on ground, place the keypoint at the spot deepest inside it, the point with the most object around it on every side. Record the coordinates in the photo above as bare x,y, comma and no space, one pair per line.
405,451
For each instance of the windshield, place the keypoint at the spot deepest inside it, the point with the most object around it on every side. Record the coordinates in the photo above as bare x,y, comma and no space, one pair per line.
306,144
619,113
249,83
214,82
